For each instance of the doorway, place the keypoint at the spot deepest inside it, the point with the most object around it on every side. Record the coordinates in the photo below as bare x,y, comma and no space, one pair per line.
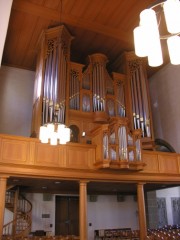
67,215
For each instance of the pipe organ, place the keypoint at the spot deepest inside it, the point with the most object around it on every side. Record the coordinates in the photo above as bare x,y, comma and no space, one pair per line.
110,110
139,102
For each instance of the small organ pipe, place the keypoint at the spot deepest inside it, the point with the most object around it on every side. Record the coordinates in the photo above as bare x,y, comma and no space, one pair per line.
55,76
46,78
136,101
43,110
145,102
105,146
47,110
53,66
139,94
133,103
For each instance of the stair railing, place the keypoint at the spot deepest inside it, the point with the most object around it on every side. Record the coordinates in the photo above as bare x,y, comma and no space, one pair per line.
21,225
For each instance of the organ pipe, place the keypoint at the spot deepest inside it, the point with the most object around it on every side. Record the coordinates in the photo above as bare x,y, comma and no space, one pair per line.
140,108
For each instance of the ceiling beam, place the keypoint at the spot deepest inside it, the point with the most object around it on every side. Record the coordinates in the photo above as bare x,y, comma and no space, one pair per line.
54,15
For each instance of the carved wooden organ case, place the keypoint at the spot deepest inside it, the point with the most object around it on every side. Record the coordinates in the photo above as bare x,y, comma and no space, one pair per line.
109,110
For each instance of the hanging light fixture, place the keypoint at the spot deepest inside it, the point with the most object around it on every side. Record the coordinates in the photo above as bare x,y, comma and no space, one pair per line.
54,134
147,36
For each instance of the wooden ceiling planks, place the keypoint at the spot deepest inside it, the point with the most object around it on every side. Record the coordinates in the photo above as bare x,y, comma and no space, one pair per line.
104,26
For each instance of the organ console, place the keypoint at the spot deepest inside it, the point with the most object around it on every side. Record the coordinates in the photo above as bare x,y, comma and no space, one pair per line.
110,110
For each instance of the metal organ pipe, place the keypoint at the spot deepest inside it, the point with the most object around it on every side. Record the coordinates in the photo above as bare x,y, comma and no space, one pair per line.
133,103
54,84
139,95
145,103
94,90
134,88
105,146
98,62
122,142
121,99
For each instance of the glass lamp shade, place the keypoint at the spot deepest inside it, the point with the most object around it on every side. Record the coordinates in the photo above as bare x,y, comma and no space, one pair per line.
155,58
140,42
148,18
60,132
53,138
67,133
63,134
43,134
172,15
147,39
174,49
48,133
50,129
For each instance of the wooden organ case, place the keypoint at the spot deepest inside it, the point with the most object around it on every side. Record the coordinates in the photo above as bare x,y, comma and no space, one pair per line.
111,111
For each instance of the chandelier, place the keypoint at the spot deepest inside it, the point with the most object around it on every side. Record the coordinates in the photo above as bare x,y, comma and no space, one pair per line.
54,133
147,37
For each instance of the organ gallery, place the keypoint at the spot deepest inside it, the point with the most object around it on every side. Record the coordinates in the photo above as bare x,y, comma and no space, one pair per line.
109,109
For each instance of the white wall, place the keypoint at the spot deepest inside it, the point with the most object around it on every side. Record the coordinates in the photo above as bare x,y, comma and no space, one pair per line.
42,207
168,194
106,212
16,99
165,101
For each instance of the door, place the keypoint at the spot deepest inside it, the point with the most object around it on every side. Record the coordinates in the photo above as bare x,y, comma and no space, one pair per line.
67,215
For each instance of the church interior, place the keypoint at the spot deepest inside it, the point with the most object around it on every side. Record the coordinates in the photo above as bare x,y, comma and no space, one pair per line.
89,143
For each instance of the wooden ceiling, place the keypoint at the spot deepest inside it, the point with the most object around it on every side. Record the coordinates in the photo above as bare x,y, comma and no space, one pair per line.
61,186
98,26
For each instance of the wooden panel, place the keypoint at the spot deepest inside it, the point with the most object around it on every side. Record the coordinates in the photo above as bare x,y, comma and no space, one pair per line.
14,151
151,161
47,155
168,163
98,26
79,158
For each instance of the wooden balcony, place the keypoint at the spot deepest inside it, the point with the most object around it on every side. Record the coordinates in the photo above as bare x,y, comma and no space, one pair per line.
21,156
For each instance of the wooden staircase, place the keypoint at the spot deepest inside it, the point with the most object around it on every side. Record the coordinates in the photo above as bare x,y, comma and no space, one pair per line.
21,208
